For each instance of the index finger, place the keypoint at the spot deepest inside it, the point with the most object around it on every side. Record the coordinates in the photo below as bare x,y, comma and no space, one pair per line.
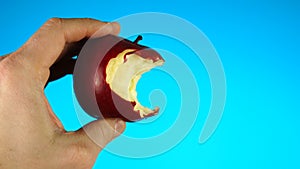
45,46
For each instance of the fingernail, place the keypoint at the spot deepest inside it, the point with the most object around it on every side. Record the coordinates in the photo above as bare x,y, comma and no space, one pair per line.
119,126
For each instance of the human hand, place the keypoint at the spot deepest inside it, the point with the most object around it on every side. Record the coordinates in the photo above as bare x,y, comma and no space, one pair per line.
31,136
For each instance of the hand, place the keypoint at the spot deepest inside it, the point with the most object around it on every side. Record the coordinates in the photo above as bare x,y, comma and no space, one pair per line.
31,136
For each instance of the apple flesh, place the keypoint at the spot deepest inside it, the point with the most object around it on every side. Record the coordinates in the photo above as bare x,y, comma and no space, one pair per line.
110,76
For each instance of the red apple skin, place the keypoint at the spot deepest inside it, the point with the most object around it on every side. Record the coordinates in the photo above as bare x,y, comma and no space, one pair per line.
110,104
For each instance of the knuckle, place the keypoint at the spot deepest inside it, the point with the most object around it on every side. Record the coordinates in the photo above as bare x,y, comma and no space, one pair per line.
8,66
54,22
89,19
13,70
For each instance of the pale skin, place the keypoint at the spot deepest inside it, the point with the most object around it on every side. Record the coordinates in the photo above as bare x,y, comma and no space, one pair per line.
31,136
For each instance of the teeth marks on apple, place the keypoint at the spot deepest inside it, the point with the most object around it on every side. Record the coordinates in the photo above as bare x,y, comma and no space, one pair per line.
125,56
123,77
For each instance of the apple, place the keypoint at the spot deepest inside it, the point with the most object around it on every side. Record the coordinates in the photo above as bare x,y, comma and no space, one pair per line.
106,74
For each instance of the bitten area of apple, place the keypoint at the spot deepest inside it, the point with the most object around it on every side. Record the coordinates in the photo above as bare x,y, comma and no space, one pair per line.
123,73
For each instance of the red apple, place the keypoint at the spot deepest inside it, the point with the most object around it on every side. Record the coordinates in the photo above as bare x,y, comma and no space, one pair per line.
106,74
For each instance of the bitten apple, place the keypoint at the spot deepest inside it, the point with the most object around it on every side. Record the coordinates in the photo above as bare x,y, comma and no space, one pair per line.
106,74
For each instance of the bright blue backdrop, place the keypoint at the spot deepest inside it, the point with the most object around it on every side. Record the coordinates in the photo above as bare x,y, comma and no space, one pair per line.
258,43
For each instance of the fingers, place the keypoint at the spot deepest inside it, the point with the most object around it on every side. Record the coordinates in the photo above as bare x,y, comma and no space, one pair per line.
82,147
98,134
47,44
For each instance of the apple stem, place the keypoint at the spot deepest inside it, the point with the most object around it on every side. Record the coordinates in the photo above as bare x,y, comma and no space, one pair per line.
138,39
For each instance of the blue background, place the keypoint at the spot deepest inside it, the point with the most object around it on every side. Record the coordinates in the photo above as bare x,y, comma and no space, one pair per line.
258,43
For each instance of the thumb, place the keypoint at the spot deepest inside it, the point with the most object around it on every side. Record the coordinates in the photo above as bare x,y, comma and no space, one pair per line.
99,133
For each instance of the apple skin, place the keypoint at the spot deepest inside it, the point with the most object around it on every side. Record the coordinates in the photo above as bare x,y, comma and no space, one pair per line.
92,91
